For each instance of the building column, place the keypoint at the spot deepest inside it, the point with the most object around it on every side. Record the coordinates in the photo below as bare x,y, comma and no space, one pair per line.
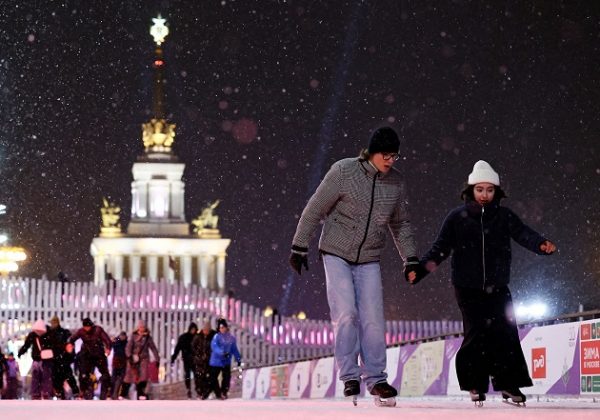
152,267
117,266
186,270
221,272
100,270
203,270
135,267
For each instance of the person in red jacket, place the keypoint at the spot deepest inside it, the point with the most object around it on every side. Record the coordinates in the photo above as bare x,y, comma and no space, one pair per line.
94,350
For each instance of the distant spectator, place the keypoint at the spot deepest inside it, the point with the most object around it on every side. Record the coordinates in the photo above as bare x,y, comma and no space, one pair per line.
201,351
119,364
223,346
138,350
96,347
41,353
184,345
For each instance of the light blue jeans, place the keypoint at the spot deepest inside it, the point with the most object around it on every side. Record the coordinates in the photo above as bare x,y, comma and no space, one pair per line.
356,306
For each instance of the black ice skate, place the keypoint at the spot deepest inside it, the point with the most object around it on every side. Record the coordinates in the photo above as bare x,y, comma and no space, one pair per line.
352,390
384,395
517,397
477,397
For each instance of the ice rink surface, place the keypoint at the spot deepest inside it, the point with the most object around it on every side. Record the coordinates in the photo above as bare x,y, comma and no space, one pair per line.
442,408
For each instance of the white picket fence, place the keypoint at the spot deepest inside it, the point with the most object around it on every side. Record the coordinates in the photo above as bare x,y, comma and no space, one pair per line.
168,308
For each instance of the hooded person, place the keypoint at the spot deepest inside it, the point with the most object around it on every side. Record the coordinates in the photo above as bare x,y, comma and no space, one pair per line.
42,355
119,364
223,347
184,345
58,338
478,236
95,348
356,203
137,351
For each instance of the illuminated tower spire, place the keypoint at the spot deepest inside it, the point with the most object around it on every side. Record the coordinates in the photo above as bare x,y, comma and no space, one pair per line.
158,134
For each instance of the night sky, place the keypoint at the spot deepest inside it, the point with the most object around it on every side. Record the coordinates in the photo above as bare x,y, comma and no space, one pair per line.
266,95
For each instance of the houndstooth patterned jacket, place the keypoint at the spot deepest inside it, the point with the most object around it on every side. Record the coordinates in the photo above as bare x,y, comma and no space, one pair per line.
357,203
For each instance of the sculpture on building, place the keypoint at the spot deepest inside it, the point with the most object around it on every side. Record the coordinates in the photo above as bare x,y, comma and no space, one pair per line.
158,135
205,224
111,215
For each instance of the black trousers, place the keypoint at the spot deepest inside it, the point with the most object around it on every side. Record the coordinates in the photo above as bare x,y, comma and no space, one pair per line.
491,346
61,372
87,363
222,389
202,380
188,368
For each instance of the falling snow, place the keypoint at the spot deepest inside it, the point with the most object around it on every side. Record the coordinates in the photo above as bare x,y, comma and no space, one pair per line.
267,95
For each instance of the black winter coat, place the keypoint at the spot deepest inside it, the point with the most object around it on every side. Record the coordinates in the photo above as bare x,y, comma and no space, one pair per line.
479,240
58,338
32,341
201,349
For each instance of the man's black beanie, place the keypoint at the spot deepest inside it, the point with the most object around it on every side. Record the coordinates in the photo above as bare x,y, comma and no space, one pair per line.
384,140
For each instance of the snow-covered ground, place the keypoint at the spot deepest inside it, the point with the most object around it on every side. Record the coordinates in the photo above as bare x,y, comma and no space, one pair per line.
408,408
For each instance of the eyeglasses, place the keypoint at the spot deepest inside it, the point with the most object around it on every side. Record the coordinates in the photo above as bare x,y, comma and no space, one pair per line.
393,156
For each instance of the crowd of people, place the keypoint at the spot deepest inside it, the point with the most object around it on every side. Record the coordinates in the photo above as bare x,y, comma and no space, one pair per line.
206,355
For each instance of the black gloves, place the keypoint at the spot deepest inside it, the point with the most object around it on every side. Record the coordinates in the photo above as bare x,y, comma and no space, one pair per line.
412,264
299,258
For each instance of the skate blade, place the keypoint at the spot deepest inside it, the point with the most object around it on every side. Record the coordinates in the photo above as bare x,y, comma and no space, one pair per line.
478,403
354,399
515,404
385,402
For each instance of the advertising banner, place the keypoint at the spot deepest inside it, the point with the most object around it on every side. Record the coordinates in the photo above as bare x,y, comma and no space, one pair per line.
249,383
263,384
423,369
299,380
322,378
452,346
551,353
590,357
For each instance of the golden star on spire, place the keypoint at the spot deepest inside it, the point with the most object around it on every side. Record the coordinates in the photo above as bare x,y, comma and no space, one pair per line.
159,31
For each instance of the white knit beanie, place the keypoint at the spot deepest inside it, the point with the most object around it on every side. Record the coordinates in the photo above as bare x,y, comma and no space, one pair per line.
483,172
39,325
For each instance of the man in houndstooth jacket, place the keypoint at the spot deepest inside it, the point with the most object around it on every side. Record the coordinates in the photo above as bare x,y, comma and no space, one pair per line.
359,199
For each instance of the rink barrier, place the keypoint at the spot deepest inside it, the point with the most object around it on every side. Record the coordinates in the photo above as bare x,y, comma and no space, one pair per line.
562,355
168,308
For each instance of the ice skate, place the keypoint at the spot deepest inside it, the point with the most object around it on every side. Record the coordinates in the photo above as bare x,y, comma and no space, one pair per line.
516,396
352,390
477,397
384,395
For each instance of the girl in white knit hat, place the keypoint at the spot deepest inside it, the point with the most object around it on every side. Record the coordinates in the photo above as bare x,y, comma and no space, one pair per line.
478,236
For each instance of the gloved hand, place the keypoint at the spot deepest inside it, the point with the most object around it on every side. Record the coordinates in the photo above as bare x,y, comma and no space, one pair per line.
547,247
226,355
172,360
414,270
299,258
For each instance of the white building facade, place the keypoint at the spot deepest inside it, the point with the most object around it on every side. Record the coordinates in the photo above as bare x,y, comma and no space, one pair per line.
159,242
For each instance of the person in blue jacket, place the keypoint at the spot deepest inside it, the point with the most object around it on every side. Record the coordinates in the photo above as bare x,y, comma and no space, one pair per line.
223,346
478,236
